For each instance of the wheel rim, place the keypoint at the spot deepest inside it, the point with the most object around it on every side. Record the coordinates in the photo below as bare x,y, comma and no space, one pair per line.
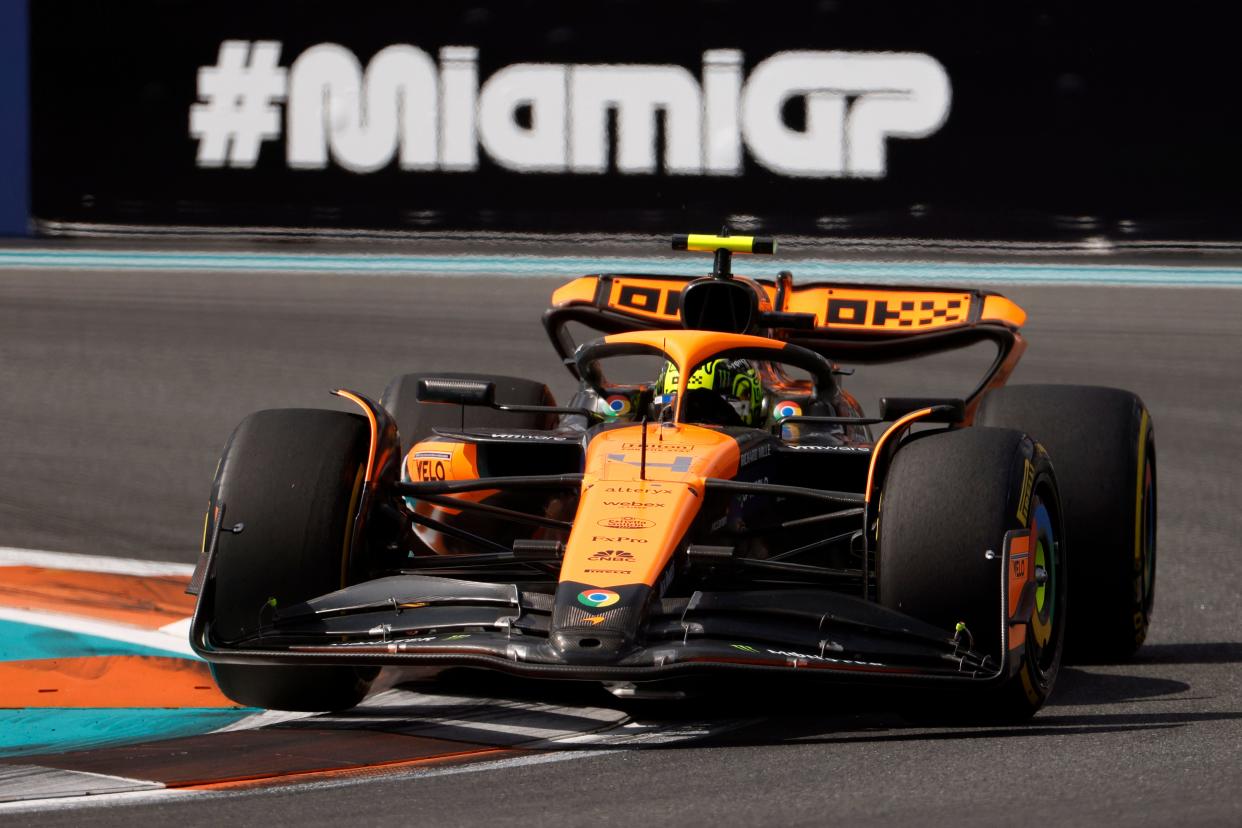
1046,618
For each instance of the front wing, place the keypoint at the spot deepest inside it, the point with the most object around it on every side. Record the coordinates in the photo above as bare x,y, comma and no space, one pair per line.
419,620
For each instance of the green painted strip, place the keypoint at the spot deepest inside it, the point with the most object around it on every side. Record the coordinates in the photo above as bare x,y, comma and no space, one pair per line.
35,730
563,266
23,642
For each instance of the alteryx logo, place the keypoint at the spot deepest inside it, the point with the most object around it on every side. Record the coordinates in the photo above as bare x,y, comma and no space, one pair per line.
423,114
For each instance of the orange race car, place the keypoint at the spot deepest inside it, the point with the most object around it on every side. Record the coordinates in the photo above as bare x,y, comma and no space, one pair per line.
711,500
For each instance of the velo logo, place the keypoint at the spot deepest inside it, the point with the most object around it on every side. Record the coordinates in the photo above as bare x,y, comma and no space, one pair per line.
407,108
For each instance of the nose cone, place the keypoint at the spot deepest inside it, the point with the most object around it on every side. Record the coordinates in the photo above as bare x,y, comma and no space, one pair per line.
592,625
591,646
640,494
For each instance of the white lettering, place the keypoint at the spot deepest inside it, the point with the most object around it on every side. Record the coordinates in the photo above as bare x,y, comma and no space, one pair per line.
637,94
459,86
554,118
722,94
543,89
362,119
899,95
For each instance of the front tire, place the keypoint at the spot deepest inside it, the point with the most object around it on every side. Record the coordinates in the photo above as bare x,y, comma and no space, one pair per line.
1103,446
949,499
292,478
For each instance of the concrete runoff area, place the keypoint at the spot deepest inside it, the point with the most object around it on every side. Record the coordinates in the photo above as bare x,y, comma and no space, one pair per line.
121,388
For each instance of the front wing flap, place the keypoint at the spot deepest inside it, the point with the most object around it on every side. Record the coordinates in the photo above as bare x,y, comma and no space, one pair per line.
442,622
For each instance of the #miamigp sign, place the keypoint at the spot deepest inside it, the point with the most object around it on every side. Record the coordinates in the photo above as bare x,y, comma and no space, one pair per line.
856,118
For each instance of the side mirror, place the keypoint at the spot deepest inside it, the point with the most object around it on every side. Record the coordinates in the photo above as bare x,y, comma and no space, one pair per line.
945,410
456,391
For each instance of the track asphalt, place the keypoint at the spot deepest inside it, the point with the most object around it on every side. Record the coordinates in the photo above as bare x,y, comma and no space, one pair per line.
120,388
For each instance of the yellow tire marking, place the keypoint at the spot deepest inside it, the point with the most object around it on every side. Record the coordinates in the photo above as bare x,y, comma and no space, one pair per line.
1139,486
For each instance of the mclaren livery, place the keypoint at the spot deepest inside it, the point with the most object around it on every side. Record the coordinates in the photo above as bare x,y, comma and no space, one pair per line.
731,511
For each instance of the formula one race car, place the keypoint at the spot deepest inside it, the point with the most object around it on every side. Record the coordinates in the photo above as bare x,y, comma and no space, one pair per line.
733,512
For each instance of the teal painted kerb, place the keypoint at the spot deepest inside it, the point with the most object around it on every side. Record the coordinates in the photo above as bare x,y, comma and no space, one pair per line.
22,642
35,730
526,266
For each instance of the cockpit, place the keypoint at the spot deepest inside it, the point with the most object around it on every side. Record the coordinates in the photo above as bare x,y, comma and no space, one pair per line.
714,379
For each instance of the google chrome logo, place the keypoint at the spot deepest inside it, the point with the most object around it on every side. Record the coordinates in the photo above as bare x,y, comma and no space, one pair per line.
598,597
618,405
788,408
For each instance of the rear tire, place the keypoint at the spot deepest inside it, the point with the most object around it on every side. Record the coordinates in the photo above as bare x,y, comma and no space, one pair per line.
416,420
1102,444
292,478
949,498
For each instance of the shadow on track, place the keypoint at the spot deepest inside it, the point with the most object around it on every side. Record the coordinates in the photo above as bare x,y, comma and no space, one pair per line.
770,713
1077,686
1216,652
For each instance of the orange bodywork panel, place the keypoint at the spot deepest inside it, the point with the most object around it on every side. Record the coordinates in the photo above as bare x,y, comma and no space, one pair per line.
629,525
1002,310
656,299
581,289
877,450
1021,572
689,348
880,309
370,415
651,298
837,308
441,460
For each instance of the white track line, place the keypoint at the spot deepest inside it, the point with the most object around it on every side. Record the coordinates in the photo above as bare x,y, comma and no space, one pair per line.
112,800
154,639
25,783
172,638
14,556
74,803
525,265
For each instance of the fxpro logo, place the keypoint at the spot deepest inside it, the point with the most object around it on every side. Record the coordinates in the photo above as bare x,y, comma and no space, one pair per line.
406,107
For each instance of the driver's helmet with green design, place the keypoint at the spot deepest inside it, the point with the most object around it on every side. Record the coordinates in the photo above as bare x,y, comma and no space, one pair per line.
735,380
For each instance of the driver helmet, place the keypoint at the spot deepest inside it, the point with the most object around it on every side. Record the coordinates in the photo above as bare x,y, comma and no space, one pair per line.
736,380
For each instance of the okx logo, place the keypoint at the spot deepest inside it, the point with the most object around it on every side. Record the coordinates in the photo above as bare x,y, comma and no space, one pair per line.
422,114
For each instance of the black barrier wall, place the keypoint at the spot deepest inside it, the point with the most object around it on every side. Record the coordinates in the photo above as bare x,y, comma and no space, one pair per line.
862,118
14,128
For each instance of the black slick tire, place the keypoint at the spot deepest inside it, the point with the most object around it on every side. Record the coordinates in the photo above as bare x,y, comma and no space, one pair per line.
1102,445
415,422
292,479
948,499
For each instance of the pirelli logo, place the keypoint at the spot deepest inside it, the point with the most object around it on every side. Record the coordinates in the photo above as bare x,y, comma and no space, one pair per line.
1024,497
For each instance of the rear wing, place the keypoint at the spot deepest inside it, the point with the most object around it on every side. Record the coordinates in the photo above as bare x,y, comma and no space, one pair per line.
845,322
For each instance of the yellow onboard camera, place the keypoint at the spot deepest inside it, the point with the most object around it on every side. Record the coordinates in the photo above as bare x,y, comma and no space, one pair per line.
724,246
703,243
